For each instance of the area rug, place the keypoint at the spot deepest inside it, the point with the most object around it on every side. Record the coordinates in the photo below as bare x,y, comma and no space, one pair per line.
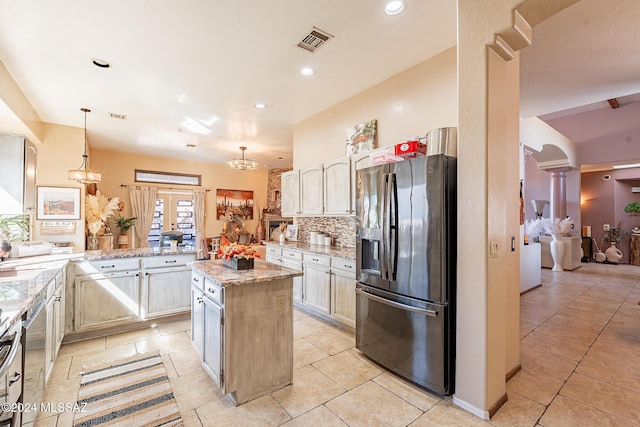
132,392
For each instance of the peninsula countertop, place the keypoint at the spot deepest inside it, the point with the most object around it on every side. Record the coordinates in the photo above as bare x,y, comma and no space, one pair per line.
263,271
334,251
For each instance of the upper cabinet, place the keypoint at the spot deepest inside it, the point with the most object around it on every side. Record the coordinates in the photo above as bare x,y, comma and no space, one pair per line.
311,193
325,189
18,164
337,187
290,195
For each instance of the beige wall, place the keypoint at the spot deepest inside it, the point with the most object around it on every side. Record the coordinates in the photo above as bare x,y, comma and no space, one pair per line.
406,105
118,168
18,116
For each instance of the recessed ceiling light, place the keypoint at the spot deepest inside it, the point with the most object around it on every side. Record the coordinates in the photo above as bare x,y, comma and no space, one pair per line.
260,106
394,7
307,71
100,63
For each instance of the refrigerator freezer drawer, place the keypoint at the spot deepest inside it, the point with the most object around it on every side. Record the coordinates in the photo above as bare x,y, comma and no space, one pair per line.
411,338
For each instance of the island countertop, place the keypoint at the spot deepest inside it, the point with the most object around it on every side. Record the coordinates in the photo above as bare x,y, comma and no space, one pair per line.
263,271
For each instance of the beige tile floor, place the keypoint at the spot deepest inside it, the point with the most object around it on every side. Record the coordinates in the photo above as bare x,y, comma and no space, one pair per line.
580,355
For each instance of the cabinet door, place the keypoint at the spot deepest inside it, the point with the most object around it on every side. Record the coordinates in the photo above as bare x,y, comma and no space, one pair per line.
290,195
311,195
343,291
166,291
317,288
59,317
359,161
106,299
49,339
213,336
197,319
337,188
297,281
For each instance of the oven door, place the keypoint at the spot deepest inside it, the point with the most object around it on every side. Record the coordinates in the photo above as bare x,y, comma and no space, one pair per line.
10,375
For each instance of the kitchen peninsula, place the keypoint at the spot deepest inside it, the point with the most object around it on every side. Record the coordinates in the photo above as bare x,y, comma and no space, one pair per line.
242,326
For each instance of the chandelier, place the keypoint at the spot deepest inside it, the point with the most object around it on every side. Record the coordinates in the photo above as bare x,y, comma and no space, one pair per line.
84,174
243,164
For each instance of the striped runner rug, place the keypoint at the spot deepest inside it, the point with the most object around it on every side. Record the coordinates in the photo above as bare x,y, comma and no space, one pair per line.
132,392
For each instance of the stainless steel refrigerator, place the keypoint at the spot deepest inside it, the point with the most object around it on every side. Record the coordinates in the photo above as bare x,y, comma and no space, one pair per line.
406,259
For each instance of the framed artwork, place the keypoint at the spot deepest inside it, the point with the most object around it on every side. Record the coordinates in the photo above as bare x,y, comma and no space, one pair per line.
292,232
362,137
57,203
237,202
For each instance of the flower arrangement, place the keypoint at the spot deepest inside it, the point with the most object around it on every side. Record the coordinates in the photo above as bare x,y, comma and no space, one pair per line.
97,209
557,226
614,235
230,250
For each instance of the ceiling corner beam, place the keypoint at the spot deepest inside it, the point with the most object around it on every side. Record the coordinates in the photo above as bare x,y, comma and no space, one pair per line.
613,103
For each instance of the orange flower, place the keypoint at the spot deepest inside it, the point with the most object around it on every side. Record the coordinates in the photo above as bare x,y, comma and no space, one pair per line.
230,250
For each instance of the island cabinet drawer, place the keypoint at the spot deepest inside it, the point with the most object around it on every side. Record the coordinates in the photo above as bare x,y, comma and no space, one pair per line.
344,264
290,254
311,258
274,250
214,292
107,265
197,280
167,261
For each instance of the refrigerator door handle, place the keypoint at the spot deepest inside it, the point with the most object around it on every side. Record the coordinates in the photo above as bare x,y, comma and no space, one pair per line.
384,219
424,311
386,229
393,227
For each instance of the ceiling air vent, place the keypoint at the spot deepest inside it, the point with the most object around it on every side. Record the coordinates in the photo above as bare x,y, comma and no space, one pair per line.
118,116
314,39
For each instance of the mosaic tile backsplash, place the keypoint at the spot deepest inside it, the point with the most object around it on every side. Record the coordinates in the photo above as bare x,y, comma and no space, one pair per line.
341,228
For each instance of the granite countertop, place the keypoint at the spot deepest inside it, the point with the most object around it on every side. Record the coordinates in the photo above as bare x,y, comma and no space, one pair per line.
223,276
335,251
22,286
133,253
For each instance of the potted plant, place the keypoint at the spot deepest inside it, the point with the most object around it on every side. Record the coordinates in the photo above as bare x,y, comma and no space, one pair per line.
12,229
633,208
124,224
614,236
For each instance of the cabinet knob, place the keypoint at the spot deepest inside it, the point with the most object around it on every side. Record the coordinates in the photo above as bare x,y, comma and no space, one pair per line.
199,299
58,299
171,261
108,266
213,291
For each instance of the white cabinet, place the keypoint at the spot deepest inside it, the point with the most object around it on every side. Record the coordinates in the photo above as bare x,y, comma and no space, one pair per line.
359,161
317,282
311,191
166,284
343,291
106,293
213,338
197,311
18,158
337,187
55,323
293,259
290,196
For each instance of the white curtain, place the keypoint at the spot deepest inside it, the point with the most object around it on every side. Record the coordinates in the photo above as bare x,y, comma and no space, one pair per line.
143,205
198,208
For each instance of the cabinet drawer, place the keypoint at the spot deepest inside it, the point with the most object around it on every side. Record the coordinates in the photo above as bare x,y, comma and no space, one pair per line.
290,254
107,265
197,280
167,261
214,292
311,258
344,264
274,250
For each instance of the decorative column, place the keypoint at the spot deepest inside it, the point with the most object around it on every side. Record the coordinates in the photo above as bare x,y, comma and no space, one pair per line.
558,205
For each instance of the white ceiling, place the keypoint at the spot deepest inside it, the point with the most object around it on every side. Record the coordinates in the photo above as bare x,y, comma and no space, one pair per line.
207,62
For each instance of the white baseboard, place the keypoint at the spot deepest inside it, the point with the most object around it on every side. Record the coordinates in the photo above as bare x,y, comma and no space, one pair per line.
480,413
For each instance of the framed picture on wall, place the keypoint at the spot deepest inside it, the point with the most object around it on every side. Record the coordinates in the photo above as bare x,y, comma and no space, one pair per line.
57,203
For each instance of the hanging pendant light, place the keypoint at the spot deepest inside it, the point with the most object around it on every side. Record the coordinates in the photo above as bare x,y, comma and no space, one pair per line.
84,174
243,164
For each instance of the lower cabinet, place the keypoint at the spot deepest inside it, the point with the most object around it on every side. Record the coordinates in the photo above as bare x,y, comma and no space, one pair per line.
297,281
197,319
166,291
213,335
55,323
343,296
106,299
317,287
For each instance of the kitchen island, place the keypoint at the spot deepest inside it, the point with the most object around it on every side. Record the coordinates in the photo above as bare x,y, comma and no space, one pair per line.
242,326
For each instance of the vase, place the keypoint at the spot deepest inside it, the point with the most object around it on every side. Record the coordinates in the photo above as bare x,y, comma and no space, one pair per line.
281,238
614,255
92,242
260,232
556,247
238,263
